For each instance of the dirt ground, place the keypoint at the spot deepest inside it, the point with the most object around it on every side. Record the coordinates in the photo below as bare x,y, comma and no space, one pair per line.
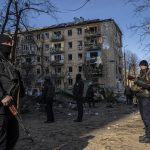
116,128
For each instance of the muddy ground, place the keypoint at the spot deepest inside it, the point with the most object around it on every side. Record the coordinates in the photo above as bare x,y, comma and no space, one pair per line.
116,128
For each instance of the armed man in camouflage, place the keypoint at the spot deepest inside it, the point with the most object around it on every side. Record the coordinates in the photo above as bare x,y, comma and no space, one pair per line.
143,95
9,130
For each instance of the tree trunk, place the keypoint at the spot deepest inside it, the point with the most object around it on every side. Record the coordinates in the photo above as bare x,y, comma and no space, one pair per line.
6,16
18,16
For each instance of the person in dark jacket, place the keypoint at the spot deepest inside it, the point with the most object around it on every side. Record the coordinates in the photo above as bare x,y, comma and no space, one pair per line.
48,96
90,96
78,96
9,130
143,95
110,97
129,95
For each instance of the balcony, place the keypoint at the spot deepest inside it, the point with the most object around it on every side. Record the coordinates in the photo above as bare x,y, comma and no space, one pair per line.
25,51
57,62
97,71
92,46
29,52
91,61
57,50
57,38
57,75
94,61
92,71
89,33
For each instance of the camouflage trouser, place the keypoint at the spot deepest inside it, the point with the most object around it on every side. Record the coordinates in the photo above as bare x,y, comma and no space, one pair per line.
144,107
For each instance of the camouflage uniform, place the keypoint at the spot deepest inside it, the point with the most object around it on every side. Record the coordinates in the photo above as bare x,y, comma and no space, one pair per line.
9,131
143,96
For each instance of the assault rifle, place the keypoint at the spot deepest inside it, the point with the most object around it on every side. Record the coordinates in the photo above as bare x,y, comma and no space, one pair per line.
15,113
132,78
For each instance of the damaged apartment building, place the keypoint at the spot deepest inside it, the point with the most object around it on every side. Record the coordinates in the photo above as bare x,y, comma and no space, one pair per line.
90,47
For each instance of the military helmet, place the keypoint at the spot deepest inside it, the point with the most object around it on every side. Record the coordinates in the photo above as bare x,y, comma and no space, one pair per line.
143,63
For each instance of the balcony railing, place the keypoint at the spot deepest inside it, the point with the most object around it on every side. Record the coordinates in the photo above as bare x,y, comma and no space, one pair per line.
91,71
57,38
89,33
94,60
91,60
56,50
91,46
21,51
57,62
57,75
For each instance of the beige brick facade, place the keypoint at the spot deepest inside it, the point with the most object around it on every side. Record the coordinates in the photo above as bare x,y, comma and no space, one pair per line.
63,50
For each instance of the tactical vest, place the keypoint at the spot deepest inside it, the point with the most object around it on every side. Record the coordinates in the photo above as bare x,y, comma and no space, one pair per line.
145,77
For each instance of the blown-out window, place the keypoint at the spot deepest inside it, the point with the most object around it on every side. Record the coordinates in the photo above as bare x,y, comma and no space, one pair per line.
69,32
93,54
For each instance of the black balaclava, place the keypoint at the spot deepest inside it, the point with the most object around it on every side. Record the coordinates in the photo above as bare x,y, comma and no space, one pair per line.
5,49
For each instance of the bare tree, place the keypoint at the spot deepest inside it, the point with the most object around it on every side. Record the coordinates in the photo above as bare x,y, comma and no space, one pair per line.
6,16
30,57
142,9
131,63
17,12
28,71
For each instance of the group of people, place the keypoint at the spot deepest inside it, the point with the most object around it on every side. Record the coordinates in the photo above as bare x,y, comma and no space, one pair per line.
143,97
48,93
9,84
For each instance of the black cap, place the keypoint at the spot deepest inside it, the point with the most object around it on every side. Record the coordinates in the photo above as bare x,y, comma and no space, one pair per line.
5,38
143,63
